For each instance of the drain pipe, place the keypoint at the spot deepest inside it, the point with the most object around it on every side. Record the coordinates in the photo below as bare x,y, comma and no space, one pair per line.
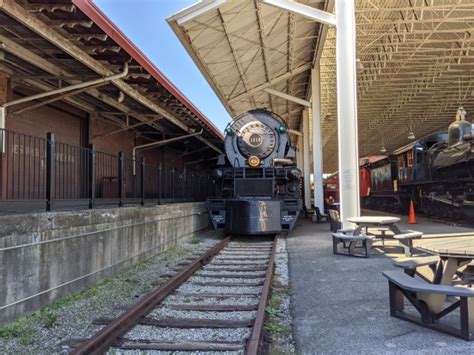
3,107
157,144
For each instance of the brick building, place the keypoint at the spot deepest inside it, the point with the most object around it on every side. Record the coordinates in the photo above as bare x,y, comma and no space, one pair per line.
66,69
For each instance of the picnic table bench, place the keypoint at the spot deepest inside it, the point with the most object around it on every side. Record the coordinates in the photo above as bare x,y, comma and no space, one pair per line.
409,265
362,233
350,244
403,286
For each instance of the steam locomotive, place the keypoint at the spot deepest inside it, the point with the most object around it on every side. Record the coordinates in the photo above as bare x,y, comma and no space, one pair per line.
259,186
436,172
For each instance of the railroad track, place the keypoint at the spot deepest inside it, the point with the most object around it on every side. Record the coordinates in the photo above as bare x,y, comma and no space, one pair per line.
214,303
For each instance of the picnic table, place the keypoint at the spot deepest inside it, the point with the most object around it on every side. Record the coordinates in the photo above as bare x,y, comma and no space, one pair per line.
454,252
384,224
375,222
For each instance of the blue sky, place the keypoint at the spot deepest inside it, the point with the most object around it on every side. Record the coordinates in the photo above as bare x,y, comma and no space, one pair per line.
144,22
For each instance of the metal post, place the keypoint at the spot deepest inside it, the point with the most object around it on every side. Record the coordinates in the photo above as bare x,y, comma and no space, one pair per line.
317,140
120,179
142,182
3,114
50,160
160,181
91,177
306,167
347,111
172,185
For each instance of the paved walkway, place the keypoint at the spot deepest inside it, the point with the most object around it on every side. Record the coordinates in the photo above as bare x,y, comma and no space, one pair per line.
340,304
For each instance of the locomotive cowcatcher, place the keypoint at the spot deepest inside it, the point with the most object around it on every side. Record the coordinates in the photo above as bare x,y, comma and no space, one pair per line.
259,185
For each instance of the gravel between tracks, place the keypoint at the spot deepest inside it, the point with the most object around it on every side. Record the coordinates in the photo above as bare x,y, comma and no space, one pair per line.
196,300
193,334
197,289
73,315
153,352
164,312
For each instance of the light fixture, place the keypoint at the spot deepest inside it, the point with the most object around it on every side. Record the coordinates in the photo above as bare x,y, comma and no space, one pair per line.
411,135
382,149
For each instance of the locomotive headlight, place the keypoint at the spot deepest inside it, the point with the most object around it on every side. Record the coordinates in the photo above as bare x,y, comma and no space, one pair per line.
294,174
217,174
254,161
282,129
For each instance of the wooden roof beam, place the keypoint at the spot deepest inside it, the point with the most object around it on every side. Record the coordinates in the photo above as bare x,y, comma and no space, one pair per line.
23,16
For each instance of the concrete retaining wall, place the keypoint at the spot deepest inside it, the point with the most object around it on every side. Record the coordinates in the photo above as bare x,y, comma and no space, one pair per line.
45,256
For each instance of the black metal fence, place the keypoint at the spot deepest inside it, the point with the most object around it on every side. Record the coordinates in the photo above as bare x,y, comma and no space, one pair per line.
40,173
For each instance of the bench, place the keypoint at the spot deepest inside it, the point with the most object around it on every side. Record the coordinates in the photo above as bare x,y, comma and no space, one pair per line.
403,286
334,220
406,240
409,265
318,217
340,237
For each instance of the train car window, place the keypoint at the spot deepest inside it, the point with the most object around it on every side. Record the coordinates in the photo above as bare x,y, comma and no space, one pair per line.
410,158
400,161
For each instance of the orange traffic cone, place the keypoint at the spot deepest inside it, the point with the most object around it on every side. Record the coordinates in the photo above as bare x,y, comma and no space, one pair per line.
411,214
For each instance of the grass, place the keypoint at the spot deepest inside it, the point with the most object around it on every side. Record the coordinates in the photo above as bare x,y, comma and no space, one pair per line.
23,329
273,328
273,312
174,251
195,240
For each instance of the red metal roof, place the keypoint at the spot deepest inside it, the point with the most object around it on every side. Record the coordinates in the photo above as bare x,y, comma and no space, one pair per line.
101,20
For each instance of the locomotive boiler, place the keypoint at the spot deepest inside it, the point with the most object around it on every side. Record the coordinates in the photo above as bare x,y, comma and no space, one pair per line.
259,186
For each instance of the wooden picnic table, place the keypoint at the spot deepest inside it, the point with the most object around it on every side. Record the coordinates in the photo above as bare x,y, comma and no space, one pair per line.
454,252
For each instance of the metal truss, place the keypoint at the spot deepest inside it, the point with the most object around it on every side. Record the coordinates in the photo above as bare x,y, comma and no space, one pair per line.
415,64
416,68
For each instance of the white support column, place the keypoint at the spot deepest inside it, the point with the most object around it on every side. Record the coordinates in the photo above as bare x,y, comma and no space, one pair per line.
317,139
306,167
347,111
299,146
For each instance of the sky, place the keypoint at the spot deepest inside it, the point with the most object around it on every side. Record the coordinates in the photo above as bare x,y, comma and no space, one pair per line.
144,22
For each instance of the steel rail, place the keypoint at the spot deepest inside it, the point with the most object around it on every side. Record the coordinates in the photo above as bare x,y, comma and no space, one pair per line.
254,343
104,339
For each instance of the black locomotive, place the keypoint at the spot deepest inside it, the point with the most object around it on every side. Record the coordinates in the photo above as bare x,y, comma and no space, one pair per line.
259,186
436,172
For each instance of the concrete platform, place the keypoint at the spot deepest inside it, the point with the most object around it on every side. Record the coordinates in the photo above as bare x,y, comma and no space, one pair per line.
340,304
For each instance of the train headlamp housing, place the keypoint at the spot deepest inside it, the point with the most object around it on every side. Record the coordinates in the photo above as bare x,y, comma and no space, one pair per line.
294,174
217,174
254,161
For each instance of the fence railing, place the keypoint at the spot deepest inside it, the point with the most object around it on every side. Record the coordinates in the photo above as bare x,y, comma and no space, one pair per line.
42,173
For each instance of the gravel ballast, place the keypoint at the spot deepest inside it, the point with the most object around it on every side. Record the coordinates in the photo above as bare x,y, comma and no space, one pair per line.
72,317
193,334
242,276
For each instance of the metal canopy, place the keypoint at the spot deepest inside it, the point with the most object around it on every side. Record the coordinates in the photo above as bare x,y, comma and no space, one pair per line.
244,47
415,64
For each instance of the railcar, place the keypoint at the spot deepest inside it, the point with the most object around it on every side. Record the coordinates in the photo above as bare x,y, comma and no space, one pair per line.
259,186
436,172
